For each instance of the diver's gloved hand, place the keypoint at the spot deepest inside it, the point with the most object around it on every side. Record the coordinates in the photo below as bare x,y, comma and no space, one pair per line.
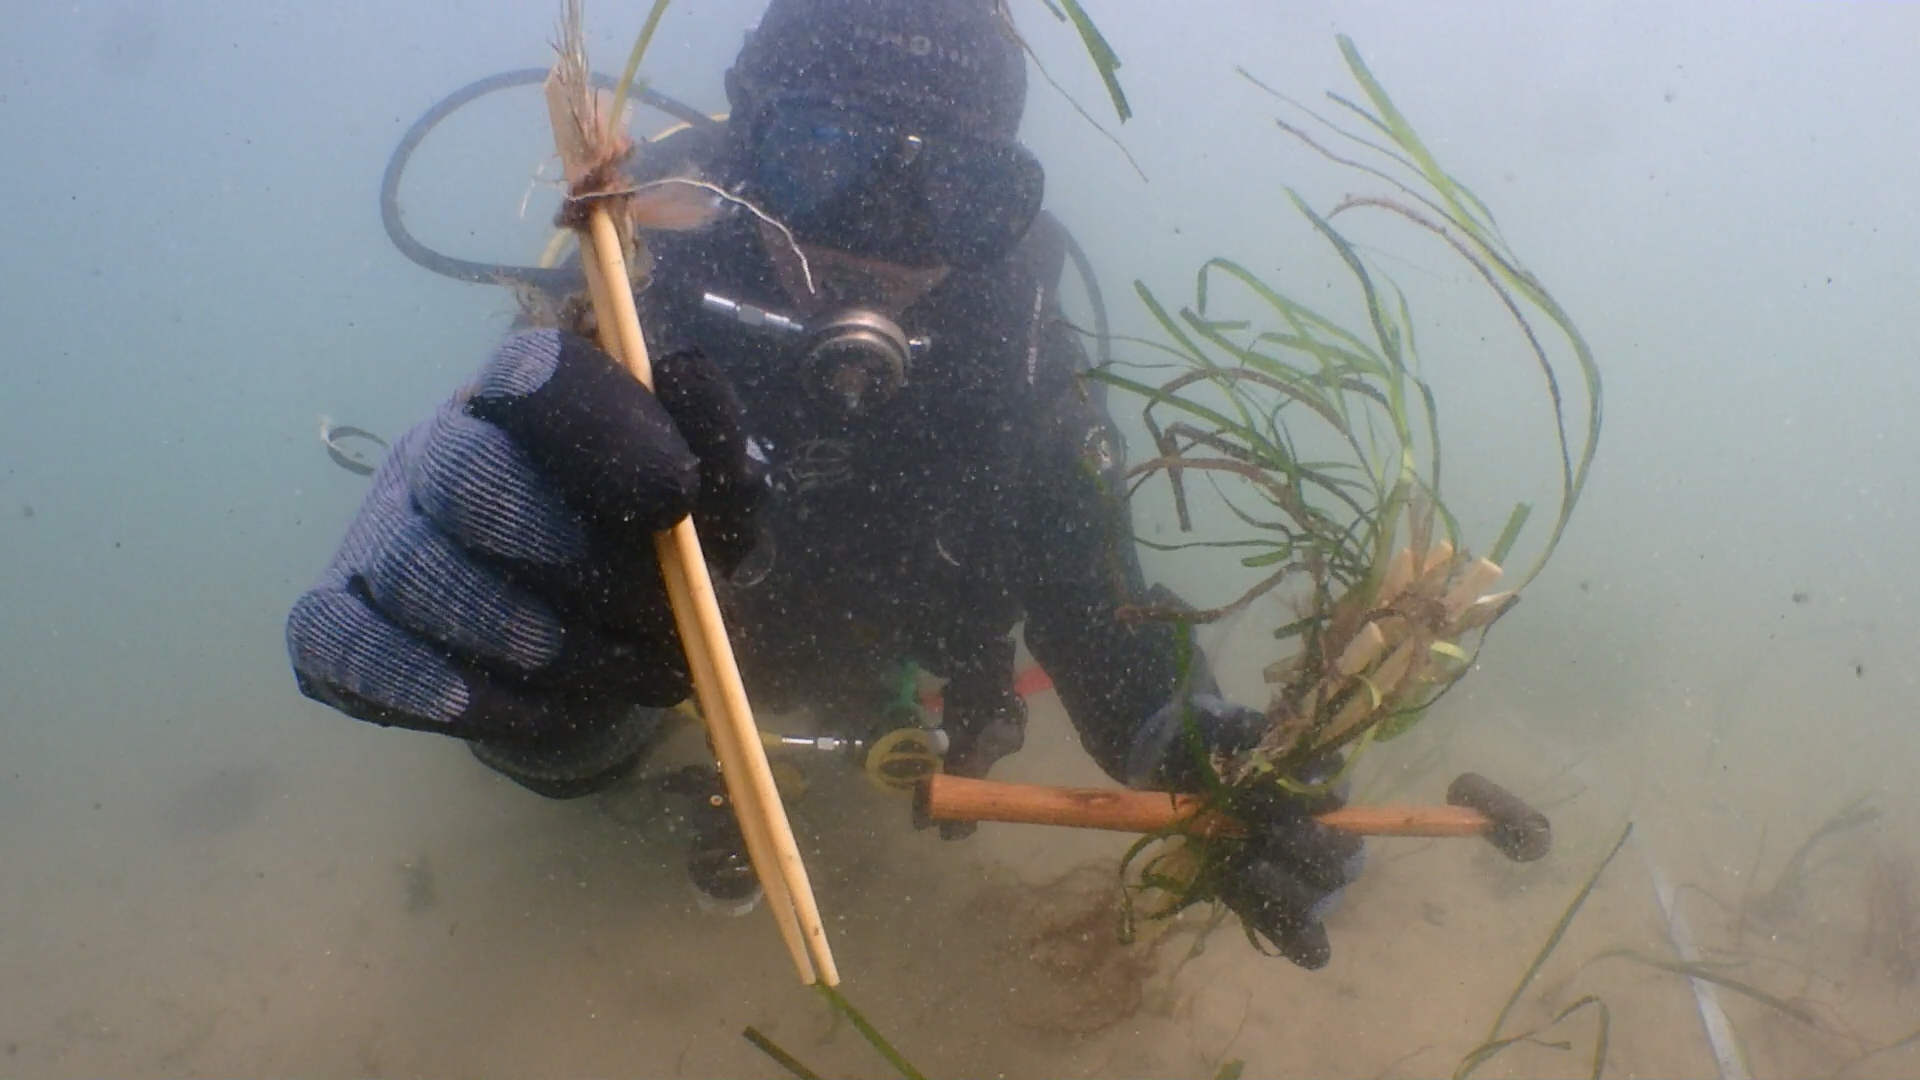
1290,871
499,582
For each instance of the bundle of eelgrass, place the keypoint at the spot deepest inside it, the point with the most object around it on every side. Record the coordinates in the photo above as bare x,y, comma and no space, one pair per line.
1335,437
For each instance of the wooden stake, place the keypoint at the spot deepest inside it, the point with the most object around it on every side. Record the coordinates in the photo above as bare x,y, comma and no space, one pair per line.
696,609
958,798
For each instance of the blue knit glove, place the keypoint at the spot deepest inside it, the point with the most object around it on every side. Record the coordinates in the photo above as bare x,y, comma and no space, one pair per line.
499,583
1291,871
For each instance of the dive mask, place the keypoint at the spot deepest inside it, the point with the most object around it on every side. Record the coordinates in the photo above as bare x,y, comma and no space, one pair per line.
882,187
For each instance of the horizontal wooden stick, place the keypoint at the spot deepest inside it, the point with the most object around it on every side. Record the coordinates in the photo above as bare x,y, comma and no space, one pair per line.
958,798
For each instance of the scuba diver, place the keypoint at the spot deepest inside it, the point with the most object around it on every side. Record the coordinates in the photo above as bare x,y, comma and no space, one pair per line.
875,415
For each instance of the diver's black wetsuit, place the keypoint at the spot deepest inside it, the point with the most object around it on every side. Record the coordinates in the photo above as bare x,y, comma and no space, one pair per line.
497,586
982,492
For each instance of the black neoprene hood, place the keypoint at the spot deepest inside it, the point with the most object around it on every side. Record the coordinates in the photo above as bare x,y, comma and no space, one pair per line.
957,57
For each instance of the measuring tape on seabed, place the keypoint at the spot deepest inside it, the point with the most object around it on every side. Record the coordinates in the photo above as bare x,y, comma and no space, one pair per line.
1720,1035
1726,1048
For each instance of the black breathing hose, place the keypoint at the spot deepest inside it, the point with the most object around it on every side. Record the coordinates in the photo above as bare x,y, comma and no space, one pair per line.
550,279
564,279
1102,333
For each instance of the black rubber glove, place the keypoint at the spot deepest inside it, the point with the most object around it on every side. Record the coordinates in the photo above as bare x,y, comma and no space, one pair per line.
1291,870
1290,874
499,582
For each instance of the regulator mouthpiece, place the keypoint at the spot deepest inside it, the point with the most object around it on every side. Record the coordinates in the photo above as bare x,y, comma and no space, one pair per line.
854,359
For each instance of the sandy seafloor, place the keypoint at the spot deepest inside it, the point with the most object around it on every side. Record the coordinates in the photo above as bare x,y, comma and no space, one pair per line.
342,901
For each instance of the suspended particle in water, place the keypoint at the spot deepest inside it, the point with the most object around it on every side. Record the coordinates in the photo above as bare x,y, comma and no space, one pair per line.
1802,597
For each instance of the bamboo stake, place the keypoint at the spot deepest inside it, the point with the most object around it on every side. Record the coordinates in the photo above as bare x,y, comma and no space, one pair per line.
753,822
717,684
716,675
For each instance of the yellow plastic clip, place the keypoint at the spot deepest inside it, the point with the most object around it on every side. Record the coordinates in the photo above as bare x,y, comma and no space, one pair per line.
901,759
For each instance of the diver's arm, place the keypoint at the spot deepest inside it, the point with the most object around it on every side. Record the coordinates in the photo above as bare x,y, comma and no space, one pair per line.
1079,570
1136,695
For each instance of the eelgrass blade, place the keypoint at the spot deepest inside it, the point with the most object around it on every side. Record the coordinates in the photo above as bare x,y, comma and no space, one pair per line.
1385,334
1128,339
1431,408
1105,60
1158,396
1159,546
625,85
1487,1051
1540,958
1471,215
1399,723
1110,61
1459,207
1298,389
780,1057
1402,132
1159,313
1357,352
869,1032
1382,149
1278,554
1515,522
1706,973
1506,280
1298,627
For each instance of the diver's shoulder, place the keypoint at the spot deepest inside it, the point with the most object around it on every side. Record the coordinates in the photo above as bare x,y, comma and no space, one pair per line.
1044,249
